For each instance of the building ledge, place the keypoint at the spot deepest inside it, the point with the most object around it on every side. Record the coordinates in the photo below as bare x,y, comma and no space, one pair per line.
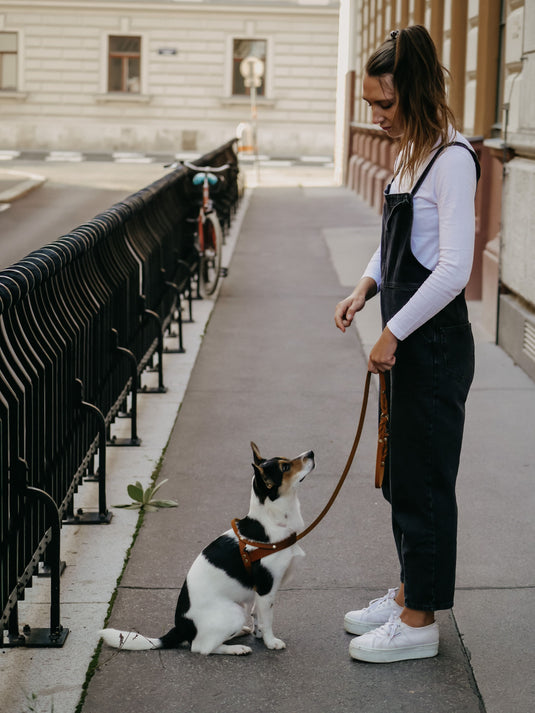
523,144
13,95
368,128
246,101
123,97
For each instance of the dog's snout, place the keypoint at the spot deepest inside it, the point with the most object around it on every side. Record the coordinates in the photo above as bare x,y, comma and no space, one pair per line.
307,459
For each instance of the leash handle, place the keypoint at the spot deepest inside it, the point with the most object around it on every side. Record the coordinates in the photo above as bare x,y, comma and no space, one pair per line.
382,439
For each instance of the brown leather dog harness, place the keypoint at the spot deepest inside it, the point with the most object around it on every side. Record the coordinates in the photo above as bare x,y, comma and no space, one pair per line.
263,549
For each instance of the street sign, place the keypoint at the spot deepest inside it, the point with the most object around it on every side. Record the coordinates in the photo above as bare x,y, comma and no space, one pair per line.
252,71
252,82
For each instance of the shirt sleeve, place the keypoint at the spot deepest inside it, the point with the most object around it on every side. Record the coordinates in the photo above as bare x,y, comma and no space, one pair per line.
454,187
373,269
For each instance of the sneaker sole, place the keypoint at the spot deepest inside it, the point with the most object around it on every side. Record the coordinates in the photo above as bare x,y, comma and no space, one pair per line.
423,651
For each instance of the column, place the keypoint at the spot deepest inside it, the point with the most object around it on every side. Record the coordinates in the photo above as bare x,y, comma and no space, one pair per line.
459,21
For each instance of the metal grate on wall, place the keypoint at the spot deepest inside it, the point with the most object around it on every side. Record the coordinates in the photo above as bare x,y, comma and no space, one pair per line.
528,345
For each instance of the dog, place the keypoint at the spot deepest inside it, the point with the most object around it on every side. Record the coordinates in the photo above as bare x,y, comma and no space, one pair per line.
219,590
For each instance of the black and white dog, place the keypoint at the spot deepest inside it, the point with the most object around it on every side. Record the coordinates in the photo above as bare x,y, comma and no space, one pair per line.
216,597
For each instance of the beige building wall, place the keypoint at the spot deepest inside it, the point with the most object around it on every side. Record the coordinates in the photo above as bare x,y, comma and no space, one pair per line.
518,238
185,99
517,252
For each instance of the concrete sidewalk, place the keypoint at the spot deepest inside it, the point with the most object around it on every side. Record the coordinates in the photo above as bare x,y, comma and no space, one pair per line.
272,368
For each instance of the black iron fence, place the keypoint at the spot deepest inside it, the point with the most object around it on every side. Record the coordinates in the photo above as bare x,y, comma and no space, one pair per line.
80,319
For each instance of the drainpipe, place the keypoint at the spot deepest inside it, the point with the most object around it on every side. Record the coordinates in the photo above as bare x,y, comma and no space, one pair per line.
346,62
507,150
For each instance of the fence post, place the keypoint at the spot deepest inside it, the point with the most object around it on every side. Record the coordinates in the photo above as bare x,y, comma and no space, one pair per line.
134,440
103,516
55,636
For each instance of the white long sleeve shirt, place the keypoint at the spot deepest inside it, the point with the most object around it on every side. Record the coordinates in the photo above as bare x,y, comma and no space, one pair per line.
442,237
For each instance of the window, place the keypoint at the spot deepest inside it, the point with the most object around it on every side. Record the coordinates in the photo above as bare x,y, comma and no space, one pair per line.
8,60
243,48
124,64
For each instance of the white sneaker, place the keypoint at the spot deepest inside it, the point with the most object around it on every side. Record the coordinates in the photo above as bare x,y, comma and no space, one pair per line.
396,641
377,613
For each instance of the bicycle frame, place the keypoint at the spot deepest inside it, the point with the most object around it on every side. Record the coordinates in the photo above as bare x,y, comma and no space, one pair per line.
209,234
206,207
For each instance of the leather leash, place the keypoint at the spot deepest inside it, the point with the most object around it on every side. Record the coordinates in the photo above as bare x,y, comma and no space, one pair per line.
263,549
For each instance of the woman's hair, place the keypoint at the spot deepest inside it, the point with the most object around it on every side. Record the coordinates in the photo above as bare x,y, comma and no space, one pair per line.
411,57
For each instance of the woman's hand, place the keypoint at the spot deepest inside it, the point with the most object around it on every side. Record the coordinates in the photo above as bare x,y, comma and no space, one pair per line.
382,356
346,309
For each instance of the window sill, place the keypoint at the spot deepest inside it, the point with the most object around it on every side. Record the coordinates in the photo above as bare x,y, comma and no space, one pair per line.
246,101
13,94
122,97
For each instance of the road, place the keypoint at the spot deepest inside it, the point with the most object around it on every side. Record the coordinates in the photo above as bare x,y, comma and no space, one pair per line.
72,195
77,191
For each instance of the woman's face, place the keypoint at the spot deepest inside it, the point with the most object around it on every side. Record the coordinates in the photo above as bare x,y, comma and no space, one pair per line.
379,94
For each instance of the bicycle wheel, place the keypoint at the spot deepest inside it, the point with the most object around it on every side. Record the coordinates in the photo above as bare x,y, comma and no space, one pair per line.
210,266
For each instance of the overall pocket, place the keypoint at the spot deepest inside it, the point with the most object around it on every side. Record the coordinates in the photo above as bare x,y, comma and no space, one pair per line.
457,343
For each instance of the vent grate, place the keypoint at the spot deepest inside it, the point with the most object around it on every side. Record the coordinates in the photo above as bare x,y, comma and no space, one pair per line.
528,345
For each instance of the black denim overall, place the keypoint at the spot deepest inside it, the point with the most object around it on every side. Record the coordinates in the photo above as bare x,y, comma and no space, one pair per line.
427,390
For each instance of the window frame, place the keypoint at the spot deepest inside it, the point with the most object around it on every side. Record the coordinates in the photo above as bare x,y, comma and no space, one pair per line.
16,86
268,68
125,56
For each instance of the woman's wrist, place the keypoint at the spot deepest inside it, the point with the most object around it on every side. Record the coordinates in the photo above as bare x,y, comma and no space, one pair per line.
366,289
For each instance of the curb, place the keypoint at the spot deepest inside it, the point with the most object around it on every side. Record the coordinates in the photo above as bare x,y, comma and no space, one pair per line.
28,183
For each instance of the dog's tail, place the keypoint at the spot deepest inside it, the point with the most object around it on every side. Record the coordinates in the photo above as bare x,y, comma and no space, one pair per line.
129,640
132,641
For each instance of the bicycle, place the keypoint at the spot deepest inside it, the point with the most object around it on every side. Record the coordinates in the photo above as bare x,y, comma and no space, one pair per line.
208,234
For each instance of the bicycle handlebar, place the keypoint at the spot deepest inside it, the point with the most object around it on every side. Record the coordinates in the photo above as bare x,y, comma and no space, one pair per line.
204,169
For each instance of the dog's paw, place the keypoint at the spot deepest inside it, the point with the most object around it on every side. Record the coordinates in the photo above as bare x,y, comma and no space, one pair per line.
238,650
233,650
275,643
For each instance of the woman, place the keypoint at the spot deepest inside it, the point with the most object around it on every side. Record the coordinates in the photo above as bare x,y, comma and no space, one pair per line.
426,348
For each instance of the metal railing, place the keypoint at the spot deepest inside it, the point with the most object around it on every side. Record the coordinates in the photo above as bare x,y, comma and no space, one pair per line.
80,319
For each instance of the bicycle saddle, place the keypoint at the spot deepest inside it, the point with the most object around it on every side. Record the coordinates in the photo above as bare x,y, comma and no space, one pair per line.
198,178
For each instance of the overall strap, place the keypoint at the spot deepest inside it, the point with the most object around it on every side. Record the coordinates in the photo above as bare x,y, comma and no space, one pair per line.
437,154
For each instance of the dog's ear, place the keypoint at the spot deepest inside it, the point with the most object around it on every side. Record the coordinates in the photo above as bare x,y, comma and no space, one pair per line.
259,473
256,453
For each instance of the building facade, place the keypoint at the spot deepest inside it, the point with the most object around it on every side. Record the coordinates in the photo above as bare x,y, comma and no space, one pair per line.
488,46
160,75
